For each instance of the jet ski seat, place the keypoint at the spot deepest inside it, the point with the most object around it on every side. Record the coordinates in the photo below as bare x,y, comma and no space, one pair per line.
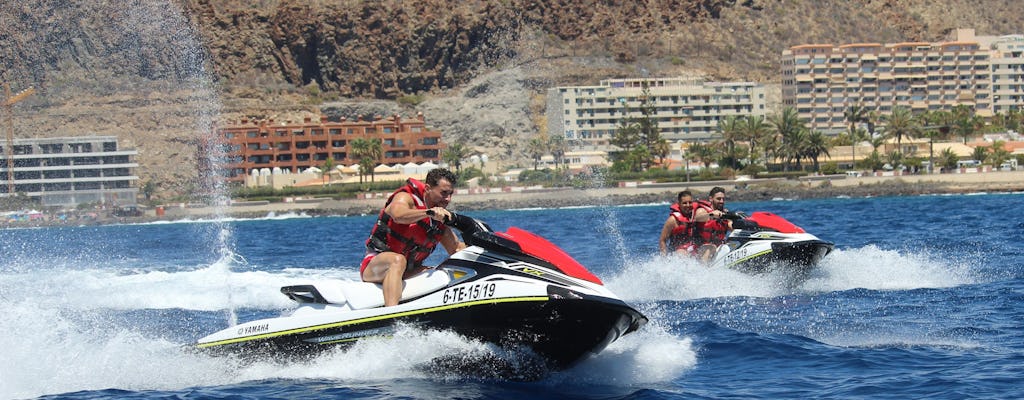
362,295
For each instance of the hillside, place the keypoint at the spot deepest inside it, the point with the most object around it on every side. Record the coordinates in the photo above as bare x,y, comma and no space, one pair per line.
160,73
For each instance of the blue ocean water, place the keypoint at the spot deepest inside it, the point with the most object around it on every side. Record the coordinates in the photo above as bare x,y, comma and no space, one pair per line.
922,298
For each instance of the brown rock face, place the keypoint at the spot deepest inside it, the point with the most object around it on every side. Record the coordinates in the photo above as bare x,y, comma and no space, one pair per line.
160,73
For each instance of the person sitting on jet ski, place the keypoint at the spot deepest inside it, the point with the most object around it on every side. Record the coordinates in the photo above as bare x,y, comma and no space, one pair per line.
409,227
713,229
678,233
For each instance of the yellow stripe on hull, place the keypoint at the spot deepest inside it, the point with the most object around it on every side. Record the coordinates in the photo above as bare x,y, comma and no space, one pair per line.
370,319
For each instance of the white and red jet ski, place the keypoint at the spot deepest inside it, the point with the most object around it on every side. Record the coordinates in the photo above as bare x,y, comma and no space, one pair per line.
509,288
765,241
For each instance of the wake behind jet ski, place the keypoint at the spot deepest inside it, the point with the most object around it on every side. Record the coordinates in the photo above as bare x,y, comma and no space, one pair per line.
765,241
513,288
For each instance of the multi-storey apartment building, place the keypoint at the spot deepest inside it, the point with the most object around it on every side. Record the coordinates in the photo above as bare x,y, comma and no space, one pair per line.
295,147
67,171
1007,71
687,109
821,81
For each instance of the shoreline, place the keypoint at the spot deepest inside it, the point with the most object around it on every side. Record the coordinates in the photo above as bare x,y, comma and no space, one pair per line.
737,191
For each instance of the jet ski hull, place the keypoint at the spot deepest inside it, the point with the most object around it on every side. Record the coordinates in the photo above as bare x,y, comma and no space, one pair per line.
561,331
798,257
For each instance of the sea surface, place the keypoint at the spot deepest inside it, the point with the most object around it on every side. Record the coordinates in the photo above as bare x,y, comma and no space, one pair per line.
923,298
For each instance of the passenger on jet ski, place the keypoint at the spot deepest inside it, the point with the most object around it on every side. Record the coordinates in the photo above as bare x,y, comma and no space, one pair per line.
409,227
712,229
678,232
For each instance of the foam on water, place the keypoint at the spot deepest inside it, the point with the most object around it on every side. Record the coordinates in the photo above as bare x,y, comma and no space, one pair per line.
682,278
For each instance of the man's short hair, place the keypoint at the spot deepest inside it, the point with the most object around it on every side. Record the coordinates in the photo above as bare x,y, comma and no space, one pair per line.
683,193
435,175
716,190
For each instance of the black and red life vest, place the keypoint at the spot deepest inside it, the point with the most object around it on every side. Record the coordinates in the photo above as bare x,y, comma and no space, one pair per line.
713,231
686,233
416,240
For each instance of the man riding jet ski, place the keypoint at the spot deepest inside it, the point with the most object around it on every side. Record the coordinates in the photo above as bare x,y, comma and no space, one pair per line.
765,241
512,288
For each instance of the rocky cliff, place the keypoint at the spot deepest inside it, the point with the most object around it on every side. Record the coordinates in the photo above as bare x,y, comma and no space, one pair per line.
160,73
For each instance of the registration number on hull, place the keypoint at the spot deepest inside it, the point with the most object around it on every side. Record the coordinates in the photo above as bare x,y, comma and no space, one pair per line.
470,292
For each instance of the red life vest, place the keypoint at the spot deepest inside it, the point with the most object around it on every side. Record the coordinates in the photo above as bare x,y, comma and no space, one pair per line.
684,236
714,230
416,240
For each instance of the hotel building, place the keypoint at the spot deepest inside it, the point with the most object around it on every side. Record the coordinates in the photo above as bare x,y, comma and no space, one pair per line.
254,145
687,109
822,81
67,171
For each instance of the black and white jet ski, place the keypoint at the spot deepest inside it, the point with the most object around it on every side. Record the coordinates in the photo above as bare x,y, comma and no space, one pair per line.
514,289
765,241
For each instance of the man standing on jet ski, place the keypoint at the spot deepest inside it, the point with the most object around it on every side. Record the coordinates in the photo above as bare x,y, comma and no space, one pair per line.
713,229
409,227
679,232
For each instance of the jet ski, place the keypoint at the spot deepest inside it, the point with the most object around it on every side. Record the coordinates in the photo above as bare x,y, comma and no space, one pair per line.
513,289
765,241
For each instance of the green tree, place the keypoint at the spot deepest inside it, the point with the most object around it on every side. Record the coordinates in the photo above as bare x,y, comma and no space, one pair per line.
948,159
998,153
901,123
662,149
854,115
816,144
325,169
935,125
536,148
855,136
454,154
873,161
368,152
558,148
148,189
965,123
754,130
705,153
786,125
980,153
731,130
647,125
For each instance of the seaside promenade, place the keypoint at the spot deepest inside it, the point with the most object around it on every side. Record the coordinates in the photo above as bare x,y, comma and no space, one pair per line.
641,193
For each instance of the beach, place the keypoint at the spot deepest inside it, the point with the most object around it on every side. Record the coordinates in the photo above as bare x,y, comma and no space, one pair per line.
647,193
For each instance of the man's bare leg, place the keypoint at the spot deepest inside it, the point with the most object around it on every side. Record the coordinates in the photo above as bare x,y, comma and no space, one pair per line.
388,269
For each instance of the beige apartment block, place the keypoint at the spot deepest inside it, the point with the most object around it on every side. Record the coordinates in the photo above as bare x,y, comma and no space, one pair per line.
821,81
687,109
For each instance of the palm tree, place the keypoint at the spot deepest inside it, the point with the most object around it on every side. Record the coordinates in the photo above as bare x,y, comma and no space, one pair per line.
753,130
731,130
662,149
787,126
936,125
998,153
855,115
325,169
816,145
558,147
369,152
794,147
966,123
980,153
454,155
704,152
948,158
856,135
536,149
901,123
